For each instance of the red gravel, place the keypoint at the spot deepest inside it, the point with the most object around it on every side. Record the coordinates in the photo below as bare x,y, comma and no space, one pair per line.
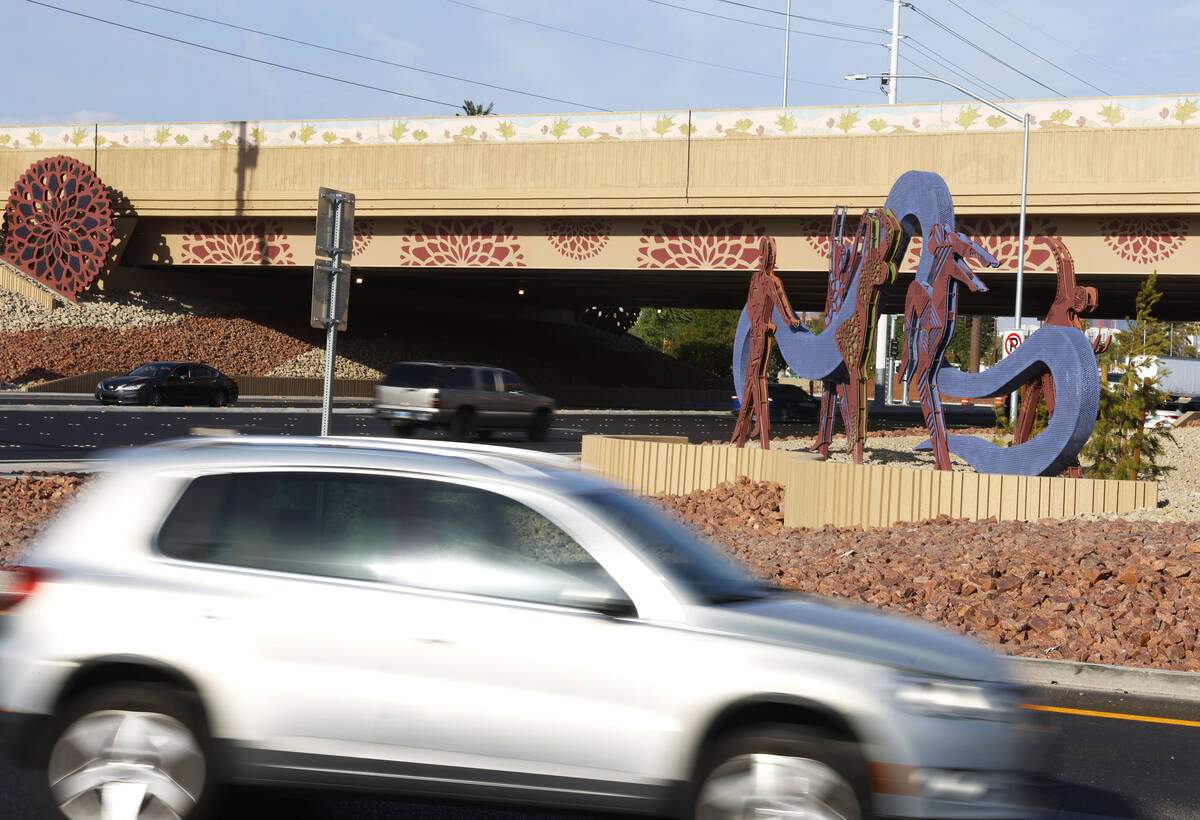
1112,592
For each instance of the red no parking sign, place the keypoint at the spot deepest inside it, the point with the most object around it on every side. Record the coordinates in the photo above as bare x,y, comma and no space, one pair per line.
1012,340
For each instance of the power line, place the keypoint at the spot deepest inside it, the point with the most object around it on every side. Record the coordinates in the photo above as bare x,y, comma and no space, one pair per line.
647,50
361,56
1045,33
1023,48
763,25
982,50
962,73
838,23
243,56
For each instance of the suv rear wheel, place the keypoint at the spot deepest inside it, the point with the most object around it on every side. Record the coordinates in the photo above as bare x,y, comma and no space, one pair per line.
462,426
539,428
130,750
400,430
779,771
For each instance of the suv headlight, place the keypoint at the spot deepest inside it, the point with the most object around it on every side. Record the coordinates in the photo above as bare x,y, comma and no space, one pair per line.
956,699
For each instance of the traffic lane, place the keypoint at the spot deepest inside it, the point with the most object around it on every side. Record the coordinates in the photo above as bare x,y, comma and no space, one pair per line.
54,433
1121,755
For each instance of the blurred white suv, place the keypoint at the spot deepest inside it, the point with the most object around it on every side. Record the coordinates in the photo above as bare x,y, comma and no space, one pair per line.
456,621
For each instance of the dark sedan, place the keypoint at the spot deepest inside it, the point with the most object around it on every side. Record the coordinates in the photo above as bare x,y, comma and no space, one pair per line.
161,383
788,402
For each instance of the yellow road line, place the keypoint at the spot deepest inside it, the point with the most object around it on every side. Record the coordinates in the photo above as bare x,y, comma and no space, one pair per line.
1112,715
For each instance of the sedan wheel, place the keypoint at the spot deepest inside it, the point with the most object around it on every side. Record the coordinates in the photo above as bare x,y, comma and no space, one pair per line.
220,398
777,774
156,398
128,753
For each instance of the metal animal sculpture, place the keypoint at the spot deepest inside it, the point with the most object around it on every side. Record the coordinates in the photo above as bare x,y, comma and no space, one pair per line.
920,200
843,263
1070,300
856,336
767,298
929,313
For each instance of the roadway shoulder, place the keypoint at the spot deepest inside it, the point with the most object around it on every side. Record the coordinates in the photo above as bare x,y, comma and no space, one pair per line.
1125,679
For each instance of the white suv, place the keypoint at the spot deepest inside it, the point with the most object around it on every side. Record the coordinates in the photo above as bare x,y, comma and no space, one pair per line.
447,620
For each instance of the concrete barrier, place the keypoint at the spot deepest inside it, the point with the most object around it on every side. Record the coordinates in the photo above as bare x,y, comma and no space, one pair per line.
818,493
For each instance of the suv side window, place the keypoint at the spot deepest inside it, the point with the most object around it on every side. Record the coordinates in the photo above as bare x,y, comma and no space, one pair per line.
487,379
399,530
512,382
458,378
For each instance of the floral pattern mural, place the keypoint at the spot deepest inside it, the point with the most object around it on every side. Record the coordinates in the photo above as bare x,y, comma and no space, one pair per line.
700,243
1000,236
1144,239
364,232
235,242
454,243
59,225
579,238
870,120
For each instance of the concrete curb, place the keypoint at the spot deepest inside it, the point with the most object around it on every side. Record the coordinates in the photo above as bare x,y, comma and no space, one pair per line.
1098,677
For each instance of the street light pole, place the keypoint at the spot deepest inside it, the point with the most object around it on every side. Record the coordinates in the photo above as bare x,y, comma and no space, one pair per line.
1024,120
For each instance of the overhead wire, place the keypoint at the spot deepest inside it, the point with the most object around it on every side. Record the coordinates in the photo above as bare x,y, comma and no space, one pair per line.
1021,46
359,56
959,72
793,16
982,50
763,25
648,50
1084,54
244,56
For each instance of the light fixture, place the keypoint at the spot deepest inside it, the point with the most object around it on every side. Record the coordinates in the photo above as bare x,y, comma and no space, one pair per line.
1021,243
520,291
358,280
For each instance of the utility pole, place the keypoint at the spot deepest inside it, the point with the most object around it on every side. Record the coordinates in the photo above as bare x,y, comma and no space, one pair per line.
787,36
883,334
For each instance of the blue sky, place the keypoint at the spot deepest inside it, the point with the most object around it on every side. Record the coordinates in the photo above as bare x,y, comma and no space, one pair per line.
67,69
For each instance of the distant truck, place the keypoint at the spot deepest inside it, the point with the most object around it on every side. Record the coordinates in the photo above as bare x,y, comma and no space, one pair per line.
1180,377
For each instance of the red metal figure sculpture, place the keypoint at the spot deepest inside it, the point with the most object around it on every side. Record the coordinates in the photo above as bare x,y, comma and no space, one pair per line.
856,335
766,296
1070,300
930,308
844,259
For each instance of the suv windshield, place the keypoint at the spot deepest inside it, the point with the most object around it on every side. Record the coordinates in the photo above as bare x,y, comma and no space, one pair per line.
412,375
684,558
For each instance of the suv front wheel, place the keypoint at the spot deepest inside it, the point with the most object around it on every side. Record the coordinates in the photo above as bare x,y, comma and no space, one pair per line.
130,750
778,771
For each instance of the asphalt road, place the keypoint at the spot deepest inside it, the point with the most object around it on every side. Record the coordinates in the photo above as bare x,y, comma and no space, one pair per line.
1109,762
50,428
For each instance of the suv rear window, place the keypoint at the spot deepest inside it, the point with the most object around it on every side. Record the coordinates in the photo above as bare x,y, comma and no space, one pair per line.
412,375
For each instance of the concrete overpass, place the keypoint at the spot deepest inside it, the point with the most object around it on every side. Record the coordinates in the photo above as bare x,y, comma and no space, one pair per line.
649,208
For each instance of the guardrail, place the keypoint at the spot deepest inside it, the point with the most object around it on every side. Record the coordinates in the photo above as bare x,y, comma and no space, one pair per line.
819,493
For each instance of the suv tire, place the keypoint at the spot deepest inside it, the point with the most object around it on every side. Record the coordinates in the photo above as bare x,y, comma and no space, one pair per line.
790,769
403,430
462,426
539,428
163,759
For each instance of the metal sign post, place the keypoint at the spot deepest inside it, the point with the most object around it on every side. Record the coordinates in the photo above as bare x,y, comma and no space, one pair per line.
330,297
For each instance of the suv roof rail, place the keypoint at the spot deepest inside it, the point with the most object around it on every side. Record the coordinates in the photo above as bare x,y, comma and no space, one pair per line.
497,457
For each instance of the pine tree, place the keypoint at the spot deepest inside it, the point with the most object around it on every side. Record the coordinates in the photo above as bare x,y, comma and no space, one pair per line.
1121,446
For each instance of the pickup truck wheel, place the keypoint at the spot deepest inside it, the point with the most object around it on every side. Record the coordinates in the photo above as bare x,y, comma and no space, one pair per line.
462,426
539,428
779,771
131,751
